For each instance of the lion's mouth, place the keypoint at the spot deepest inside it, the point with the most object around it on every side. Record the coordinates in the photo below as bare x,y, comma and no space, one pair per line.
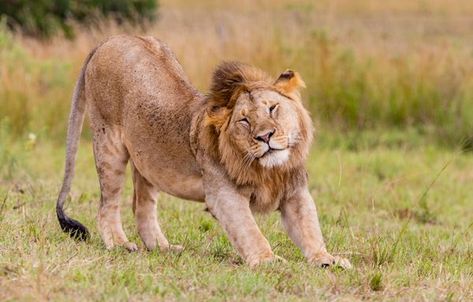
271,151
274,157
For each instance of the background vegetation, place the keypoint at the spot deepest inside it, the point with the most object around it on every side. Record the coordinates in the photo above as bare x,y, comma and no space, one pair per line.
367,65
44,18
390,88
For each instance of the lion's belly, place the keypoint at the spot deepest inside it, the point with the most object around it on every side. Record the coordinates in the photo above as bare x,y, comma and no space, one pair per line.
166,162
176,184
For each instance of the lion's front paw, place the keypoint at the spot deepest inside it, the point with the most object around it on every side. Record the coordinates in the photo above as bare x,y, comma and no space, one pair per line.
325,260
130,246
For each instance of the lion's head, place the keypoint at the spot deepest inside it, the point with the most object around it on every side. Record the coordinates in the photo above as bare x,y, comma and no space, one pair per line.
260,124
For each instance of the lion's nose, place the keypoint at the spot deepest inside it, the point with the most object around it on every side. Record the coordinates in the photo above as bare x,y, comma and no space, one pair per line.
265,137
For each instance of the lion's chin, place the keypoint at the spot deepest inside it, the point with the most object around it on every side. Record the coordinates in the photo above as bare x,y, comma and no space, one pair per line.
274,158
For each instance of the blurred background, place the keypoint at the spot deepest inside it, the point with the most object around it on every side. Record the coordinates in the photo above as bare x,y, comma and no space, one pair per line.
405,66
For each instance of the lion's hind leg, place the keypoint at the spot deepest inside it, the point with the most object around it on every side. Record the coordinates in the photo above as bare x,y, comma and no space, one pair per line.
111,158
144,208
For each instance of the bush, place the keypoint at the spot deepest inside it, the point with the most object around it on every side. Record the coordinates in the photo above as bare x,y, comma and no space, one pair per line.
44,18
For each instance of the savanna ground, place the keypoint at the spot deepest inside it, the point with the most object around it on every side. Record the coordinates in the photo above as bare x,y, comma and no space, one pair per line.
390,87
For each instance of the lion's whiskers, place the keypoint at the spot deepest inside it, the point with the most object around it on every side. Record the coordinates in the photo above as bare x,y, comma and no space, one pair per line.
295,140
247,159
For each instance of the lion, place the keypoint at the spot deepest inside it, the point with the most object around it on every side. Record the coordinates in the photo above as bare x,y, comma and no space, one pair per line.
239,149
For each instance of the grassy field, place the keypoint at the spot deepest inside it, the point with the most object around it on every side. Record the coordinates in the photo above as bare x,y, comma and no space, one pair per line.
390,88
402,215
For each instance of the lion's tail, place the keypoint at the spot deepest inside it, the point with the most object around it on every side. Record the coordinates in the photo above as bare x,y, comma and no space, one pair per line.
76,119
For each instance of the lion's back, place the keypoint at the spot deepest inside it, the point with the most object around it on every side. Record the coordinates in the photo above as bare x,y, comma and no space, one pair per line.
127,70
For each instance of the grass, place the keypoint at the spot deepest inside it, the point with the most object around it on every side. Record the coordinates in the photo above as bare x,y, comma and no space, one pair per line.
399,213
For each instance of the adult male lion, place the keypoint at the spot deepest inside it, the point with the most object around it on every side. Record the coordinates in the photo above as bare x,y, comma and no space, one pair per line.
239,149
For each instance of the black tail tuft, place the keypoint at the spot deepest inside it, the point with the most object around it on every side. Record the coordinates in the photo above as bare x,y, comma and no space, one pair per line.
75,229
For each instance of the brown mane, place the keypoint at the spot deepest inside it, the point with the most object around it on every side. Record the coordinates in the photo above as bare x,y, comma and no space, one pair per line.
230,79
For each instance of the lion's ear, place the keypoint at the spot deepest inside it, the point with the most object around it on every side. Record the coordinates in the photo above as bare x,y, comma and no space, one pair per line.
290,83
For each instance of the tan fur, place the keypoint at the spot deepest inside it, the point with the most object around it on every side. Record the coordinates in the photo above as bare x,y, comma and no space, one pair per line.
240,149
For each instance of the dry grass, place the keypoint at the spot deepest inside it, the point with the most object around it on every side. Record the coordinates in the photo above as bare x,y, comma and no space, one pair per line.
368,64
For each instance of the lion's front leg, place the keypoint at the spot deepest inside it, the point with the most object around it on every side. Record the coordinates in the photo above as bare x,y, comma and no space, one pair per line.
232,210
299,216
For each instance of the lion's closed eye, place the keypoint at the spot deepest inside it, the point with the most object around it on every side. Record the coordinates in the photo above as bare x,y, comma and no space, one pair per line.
273,109
244,122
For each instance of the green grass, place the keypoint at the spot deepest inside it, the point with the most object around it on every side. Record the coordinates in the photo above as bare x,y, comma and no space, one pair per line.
400,212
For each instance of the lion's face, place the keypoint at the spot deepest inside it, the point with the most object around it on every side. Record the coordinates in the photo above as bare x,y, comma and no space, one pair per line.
264,127
259,125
